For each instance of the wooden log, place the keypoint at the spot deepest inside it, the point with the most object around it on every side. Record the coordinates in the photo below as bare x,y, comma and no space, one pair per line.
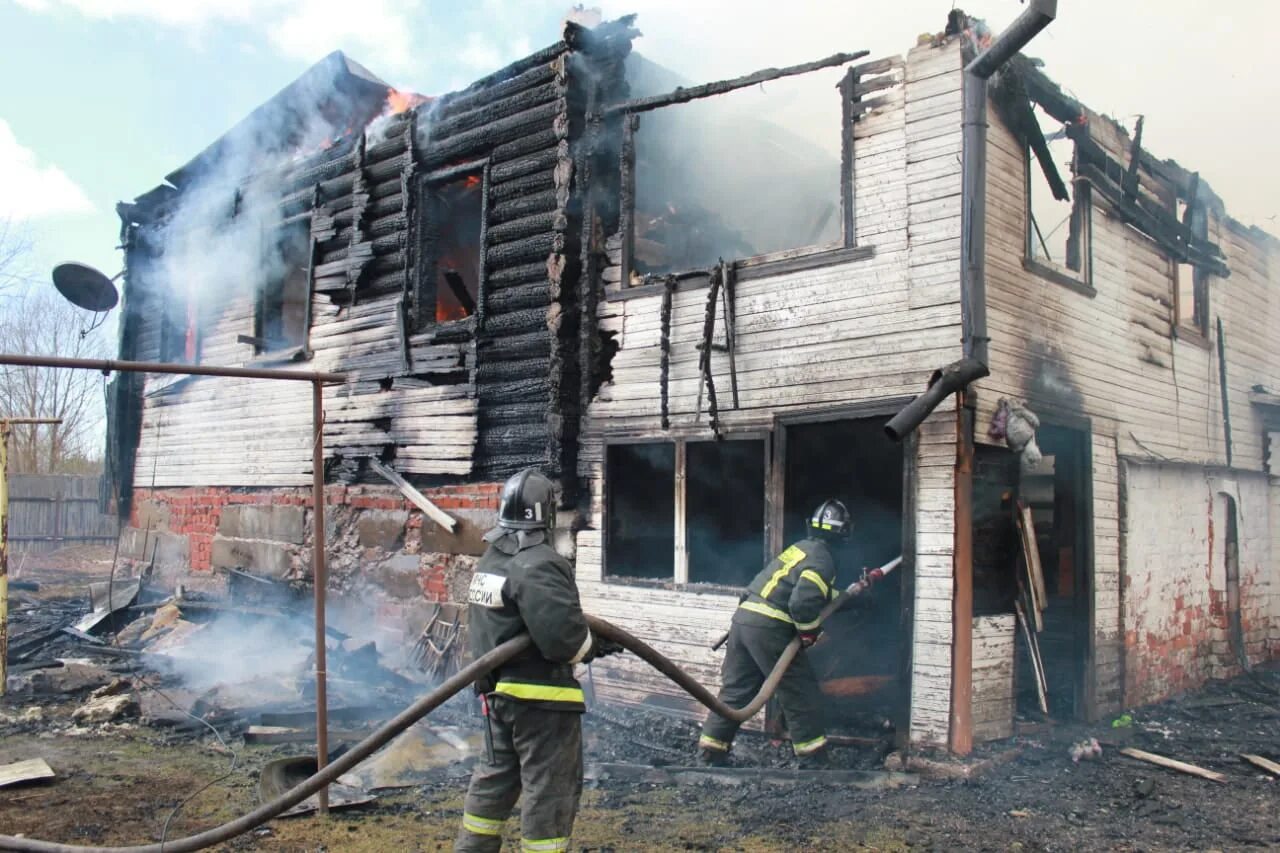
543,57
512,413
388,169
1265,763
525,185
517,275
536,295
535,344
473,97
522,391
525,251
415,497
683,95
516,321
1173,764
527,144
526,205
540,161
485,138
495,109
529,226
506,371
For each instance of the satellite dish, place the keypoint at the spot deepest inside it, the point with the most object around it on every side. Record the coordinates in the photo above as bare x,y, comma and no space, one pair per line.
85,287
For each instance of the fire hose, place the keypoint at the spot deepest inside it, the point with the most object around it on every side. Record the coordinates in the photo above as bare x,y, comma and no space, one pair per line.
419,709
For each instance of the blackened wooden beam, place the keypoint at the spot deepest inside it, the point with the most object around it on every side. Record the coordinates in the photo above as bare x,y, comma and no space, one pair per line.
482,139
528,250
493,111
541,161
522,146
452,105
517,321
530,184
518,298
518,276
512,413
518,229
1225,389
514,70
535,203
664,342
848,94
482,284
520,391
1130,185
683,95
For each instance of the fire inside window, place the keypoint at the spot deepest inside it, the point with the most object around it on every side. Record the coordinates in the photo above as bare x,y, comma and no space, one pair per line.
741,175
1057,230
280,321
180,331
451,246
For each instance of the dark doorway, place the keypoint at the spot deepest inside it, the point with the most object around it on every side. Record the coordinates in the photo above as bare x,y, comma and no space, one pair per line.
857,662
1057,489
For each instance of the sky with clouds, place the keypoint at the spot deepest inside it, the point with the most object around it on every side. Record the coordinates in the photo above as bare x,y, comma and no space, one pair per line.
102,98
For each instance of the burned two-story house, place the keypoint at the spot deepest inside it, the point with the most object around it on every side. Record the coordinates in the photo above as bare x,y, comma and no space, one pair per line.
1032,358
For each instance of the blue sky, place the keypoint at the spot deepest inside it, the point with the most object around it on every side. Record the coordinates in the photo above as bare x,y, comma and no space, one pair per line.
103,97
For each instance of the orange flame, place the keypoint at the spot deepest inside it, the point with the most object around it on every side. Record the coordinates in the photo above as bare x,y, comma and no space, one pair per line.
399,102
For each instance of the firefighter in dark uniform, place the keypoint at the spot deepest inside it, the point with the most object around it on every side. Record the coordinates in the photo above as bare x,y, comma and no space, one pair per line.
784,600
533,704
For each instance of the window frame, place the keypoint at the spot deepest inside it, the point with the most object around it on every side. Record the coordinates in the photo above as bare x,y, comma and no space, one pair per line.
1197,330
844,247
679,579
424,278
1080,280
258,339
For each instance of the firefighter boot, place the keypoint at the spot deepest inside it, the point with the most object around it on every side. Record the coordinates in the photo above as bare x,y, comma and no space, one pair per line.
713,757
816,760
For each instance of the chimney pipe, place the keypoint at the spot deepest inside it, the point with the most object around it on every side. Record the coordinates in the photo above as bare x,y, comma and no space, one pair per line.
973,221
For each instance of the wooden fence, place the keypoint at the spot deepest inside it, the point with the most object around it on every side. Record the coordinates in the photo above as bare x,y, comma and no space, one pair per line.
52,511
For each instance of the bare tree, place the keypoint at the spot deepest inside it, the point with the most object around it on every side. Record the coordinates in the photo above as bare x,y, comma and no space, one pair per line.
40,322
15,251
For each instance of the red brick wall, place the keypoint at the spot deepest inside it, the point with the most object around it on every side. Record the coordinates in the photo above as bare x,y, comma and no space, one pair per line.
195,512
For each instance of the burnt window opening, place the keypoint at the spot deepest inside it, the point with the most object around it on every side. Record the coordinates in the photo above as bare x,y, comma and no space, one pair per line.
1057,229
640,531
452,215
280,318
740,175
724,510
686,512
1191,283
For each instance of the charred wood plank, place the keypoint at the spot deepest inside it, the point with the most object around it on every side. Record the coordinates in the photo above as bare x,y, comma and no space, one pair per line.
529,345
389,169
508,371
453,105
1130,185
664,341
527,205
494,110
518,298
534,390
512,413
530,184
516,276
519,252
511,72
541,161
683,95
518,229
517,321
490,136
528,144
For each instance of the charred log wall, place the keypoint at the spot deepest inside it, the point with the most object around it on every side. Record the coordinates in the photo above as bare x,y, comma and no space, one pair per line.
474,399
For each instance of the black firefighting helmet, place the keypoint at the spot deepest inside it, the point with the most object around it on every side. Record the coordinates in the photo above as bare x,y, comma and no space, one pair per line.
831,519
528,502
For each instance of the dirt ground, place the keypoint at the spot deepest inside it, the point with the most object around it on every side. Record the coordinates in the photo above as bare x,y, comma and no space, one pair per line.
118,783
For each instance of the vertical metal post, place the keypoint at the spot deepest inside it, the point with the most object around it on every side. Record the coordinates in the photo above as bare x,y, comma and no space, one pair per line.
319,576
4,555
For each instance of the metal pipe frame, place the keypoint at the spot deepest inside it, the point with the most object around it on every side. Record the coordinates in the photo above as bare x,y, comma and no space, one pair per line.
319,571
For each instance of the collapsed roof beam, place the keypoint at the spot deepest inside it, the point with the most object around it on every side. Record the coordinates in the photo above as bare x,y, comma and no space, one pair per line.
682,95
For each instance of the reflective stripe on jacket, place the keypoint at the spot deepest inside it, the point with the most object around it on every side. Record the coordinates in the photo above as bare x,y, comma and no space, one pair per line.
793,588
522,584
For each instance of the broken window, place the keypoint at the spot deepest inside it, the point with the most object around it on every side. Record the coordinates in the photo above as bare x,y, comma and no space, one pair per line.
724,511
640,504
451,211
1191,285
280,318
1057,239
744,174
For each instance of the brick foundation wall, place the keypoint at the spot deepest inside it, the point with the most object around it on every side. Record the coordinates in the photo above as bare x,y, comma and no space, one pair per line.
386,560
1175,611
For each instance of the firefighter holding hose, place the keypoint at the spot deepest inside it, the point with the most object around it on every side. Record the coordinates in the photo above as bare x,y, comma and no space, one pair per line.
784,600
532,705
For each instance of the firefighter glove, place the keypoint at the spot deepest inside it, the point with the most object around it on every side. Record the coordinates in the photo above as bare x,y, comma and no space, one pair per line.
602,648
808,638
